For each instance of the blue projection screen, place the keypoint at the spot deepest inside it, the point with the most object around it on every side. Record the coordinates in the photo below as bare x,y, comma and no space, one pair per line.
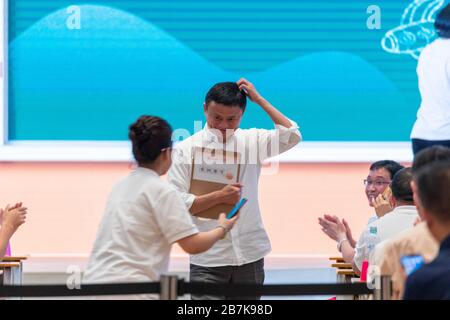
345,70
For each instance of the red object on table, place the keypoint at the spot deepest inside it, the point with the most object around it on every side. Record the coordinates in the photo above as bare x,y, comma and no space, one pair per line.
365,266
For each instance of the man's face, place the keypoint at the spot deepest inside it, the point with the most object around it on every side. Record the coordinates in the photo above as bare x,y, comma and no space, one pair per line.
223,118
376,182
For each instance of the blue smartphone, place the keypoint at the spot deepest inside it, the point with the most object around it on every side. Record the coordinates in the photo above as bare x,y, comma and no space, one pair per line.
411,263
236,208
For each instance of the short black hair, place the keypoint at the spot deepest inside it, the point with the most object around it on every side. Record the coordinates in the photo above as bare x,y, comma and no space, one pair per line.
149,135
442,23
429,155
433,183
401,185
391,166
228,94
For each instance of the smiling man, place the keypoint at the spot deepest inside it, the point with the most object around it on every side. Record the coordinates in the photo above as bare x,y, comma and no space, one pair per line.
239,258
376,184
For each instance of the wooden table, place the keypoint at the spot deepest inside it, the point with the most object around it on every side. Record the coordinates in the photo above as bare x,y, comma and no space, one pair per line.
342,265
13,259
12,270
345,275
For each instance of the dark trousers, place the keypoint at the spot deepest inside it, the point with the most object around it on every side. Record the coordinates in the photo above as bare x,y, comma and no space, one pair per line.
251,273
419,144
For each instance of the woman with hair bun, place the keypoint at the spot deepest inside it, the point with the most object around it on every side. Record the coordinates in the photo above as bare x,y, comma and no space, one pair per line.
144,215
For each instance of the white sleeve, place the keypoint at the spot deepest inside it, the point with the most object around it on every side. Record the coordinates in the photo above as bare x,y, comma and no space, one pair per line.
179,175
274,142
378,253
360,251
448,70
173,219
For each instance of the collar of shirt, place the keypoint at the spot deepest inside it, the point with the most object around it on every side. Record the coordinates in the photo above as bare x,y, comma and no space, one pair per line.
410,210
210,136
146,171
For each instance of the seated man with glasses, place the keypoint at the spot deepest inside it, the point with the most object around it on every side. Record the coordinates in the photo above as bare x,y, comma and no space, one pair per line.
402,217
415,241
376,183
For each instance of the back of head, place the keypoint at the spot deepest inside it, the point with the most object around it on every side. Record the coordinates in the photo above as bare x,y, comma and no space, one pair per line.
430,155
228,94
149,135
433,183
442,23
389,165
401,186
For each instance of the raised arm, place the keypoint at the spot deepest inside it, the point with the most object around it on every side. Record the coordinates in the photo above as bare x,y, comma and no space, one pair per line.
277,117
12,219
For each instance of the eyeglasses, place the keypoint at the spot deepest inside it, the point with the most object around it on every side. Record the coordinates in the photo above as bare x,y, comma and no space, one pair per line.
378,183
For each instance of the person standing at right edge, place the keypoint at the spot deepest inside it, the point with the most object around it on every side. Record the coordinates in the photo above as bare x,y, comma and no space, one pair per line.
239,258
432,126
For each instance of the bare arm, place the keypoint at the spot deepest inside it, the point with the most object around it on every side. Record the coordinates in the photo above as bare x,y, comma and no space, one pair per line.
205,202
230,194
348,252
5,234
202,241
348,247
276,116
11,220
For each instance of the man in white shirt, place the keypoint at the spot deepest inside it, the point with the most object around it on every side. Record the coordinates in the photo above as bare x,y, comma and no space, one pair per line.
432,126
377,192
401,218
239,258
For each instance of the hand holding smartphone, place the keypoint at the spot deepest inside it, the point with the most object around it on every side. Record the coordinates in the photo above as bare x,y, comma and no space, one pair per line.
236,208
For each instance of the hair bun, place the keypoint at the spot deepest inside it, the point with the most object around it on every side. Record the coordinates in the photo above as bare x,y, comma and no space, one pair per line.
140,131
149,134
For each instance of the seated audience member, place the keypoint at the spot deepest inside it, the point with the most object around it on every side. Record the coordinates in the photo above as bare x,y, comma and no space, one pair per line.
431,193
145,215
11,219
376,183
401,218
416,241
